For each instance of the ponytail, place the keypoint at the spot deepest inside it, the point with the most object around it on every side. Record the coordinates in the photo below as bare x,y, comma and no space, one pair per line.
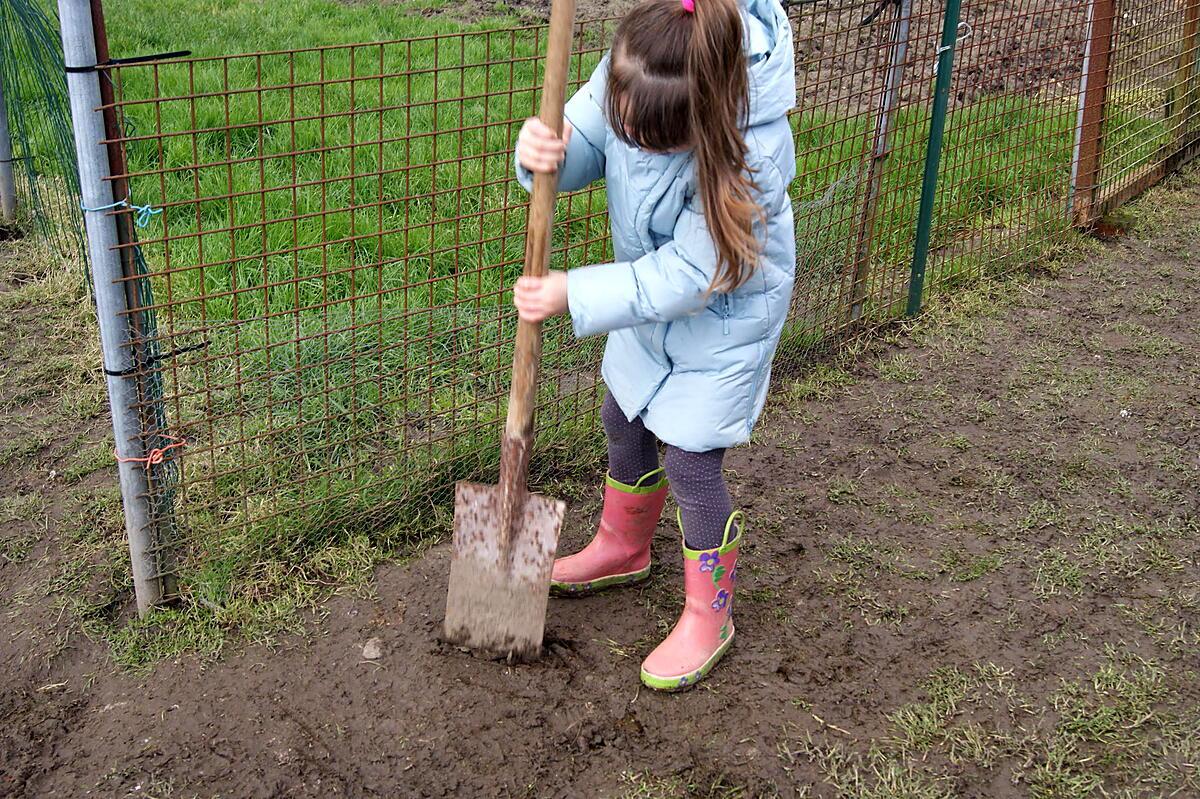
719,91
678,77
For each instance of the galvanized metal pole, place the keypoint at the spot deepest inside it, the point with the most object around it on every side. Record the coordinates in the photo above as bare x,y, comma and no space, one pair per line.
8,181
148,402
83,86
889,105
933,156
1093,99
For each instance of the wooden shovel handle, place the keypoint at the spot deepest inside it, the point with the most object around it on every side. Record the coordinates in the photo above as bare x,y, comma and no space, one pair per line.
528,354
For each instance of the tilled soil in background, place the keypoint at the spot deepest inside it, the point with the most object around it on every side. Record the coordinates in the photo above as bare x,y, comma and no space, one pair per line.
1008,46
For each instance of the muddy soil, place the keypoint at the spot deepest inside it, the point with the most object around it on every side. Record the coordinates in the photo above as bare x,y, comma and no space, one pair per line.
1010,491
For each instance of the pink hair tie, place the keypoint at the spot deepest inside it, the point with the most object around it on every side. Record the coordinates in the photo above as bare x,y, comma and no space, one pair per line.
689,6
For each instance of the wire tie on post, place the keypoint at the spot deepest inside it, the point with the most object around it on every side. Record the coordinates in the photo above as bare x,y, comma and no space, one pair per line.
945,48
156,455
109,207
878,12
139,59
142,218
145,213
133,370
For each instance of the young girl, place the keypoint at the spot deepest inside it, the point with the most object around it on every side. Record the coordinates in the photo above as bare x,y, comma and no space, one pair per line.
686,119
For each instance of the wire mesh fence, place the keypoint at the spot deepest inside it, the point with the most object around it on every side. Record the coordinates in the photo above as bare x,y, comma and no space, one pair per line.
1005,185
332,234
339,231
1153,96
39,185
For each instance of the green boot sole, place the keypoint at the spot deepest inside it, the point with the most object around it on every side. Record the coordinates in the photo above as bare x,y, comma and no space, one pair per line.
684,682
595,586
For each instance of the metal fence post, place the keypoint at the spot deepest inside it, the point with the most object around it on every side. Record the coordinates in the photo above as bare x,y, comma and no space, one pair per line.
933,156
889,104
8,180
1093,100
148,401
83,84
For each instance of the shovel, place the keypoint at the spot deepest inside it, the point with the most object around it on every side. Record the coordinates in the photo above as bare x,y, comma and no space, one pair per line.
504,536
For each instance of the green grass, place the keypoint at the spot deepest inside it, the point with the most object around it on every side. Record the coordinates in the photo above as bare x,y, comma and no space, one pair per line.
899,368
964,567
819,383
920,725
20,516
877,774
1057,573
1119,728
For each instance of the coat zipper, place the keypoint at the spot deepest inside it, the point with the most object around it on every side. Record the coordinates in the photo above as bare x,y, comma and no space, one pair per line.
725,312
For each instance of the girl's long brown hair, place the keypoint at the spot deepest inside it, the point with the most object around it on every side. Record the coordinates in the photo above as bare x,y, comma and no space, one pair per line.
679,79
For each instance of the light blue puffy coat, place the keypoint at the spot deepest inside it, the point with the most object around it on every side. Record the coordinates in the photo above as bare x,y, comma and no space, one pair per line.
695,366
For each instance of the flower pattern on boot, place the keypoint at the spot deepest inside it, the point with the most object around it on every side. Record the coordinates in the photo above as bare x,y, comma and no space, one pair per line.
705,628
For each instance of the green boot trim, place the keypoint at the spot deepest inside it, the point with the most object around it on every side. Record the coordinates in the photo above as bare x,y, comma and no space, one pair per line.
594,586
686,681
726,546
641,486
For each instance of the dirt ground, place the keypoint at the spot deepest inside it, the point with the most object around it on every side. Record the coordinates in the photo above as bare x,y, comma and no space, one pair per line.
1009,46
973,570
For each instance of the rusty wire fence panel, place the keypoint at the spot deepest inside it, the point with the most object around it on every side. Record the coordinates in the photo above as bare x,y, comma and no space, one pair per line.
853,211
863,124
1005,178
339,231
1152,107
328,279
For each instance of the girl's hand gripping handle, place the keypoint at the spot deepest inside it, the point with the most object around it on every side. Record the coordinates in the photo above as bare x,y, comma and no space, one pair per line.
539,148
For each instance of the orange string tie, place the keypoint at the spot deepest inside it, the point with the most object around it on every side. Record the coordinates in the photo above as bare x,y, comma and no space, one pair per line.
154,456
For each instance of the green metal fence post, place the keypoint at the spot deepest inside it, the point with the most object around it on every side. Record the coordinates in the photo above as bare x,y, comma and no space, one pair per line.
933,156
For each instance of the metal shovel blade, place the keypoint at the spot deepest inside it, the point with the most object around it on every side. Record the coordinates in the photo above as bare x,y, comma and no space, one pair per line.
497,599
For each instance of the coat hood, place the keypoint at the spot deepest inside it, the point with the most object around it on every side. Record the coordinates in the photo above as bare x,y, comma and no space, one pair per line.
772,62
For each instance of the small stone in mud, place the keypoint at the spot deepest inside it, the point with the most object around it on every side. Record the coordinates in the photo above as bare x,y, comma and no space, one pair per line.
372,649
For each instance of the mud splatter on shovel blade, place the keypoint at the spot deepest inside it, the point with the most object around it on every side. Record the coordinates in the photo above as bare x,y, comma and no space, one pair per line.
496,605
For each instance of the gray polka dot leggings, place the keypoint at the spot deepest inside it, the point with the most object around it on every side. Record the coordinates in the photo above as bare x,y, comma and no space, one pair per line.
696,480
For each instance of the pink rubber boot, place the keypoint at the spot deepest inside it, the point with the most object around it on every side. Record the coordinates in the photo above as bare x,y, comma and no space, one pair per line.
704,631
619,554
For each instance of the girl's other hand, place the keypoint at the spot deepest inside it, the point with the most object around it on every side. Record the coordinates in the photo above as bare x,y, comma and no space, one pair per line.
538,149
538,298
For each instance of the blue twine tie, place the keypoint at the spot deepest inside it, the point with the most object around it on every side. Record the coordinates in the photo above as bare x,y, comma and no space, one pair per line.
145,213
